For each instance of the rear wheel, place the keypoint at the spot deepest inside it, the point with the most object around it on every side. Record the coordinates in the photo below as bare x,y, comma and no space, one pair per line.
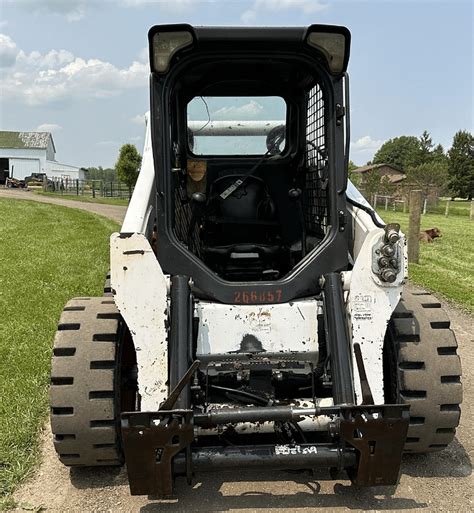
91,382
422,369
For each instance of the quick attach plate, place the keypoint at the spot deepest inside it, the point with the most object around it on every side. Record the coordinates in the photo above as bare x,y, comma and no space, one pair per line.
150,442
378,433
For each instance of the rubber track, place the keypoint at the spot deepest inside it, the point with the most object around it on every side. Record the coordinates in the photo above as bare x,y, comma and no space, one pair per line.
429,371
82,393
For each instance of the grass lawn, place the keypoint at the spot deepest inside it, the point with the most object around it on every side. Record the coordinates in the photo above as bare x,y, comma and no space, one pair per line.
48,254
86,199
447,265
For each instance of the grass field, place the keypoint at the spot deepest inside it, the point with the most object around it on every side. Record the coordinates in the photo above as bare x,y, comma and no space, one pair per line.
447,265
48,254
86,199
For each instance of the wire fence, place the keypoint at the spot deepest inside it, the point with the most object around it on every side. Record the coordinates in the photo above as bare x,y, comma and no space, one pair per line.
91,188
441,206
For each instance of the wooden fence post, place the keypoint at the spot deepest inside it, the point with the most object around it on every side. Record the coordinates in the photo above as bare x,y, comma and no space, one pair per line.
424,206
414,226
446,212
386,202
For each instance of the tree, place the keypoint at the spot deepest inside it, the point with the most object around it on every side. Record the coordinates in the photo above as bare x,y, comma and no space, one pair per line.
375,183
99,173
461,165
355,178
426,148
400,152
128,165
428,175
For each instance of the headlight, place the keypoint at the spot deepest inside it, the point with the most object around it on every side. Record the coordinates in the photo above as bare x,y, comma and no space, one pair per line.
333,45
165,45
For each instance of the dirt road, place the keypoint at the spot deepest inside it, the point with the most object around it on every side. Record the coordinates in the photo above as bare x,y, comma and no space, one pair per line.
114,212
434,482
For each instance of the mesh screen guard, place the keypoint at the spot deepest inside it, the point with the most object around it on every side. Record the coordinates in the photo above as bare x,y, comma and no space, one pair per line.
315,205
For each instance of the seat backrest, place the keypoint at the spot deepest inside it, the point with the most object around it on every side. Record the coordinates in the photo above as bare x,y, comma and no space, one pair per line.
251,201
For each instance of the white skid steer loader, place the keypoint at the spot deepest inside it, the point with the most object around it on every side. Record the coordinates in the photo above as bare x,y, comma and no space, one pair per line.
255,313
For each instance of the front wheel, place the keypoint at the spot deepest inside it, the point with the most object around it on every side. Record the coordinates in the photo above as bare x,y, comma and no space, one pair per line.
91,382
422,369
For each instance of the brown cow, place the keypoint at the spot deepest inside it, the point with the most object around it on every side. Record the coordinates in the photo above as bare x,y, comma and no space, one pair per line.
429,235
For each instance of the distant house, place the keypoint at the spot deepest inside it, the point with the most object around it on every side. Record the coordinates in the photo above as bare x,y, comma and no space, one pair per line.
393,174
24,153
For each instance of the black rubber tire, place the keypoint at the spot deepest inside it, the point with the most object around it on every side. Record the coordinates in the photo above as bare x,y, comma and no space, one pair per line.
422,369
85,390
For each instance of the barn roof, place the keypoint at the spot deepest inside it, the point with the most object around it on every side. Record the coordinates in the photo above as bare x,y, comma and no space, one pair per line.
365,169
35,140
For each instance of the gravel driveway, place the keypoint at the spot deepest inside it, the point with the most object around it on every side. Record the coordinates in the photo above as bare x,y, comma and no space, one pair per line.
434,482
114,212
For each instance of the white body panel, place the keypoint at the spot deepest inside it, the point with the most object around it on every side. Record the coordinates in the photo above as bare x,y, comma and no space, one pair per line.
140,214
370,301
286,327
140,293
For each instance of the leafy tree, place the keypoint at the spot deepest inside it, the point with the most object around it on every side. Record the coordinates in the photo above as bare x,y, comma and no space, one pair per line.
355,178
375,183
400,152
461,165
352,166
128,165
429,174
99,173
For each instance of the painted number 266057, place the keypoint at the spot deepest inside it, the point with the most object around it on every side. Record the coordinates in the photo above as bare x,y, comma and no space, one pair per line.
251,297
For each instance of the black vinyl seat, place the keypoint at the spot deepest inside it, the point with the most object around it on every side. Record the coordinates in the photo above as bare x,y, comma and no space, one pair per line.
243,236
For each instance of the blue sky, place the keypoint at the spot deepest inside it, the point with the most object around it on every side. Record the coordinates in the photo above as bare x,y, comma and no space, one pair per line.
79,68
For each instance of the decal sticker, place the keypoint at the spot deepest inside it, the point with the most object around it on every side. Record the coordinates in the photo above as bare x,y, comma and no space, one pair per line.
295,449
362,307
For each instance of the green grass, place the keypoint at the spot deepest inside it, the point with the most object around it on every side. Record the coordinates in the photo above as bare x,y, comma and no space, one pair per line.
48,254
447,265
86,199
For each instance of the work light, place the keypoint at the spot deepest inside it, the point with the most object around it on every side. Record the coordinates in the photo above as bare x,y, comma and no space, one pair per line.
165,45
333,45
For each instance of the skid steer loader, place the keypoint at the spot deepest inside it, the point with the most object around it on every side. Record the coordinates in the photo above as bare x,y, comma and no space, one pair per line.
255,314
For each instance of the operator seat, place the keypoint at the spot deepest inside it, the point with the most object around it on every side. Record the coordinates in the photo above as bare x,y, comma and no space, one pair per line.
242,234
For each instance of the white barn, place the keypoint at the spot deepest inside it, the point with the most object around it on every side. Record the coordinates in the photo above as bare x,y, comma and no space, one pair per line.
24,153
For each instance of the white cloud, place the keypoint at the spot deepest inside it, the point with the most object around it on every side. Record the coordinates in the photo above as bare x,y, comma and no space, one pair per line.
8,51
49,127
249,110
107,144
366,143
143,54
139,119
269,6
249,16
72,10
59,75
174,6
